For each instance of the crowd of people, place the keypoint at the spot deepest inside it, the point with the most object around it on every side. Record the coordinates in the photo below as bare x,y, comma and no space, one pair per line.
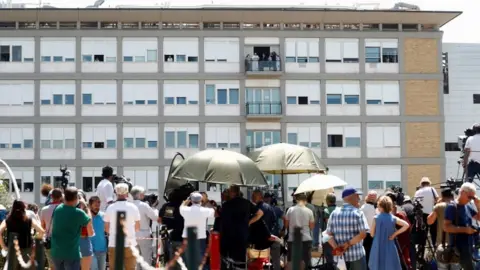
380,232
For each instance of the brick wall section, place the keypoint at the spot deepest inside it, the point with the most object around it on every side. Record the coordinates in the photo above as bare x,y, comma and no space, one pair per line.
416,172
421,97
421,55
423,140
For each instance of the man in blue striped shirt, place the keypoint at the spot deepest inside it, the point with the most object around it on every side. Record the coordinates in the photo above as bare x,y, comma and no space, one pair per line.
348,227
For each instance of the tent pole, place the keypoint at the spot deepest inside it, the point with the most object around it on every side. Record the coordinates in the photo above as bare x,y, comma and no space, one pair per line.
284,191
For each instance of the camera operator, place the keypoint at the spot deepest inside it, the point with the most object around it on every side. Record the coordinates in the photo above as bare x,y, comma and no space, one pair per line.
429,198
438,215
105,188
471,158
147,214
170,217
458,223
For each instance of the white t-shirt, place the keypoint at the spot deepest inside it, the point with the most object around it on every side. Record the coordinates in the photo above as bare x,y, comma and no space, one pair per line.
369,213
427,198
473,143
105,193
133,215
196,216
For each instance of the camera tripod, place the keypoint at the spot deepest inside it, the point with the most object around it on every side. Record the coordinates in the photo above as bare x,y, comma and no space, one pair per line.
322,263
424,242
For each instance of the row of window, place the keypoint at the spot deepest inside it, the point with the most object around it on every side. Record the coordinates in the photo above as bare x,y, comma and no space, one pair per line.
222,25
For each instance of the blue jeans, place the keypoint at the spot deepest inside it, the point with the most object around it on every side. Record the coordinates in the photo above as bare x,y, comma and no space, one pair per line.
66,264
316,234
99,261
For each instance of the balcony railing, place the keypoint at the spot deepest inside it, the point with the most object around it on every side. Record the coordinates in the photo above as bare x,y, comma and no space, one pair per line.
259,66
264,108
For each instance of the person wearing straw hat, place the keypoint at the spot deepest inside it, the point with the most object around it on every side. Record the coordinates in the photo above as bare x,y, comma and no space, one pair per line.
428,198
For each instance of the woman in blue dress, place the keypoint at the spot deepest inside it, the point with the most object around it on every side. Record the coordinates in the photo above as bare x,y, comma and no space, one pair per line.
383,254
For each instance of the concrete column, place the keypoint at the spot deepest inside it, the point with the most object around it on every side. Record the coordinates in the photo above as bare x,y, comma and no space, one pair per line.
201,97
242,98
37,174
160,102
321,58
160,54
241,51
119,54
201,55
323,112
361,55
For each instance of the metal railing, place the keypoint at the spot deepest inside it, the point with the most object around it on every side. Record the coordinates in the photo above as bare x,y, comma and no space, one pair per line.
263,108
263,65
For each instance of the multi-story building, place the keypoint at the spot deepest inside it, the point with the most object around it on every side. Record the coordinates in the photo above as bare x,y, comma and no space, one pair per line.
462,98
130,88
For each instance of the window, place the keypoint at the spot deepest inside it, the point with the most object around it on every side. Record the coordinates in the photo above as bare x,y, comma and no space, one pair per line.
87,99
45,144
210,94
181,100
152,144
57,144
4,53
193,140
303,100
334,99
69,144
169,139
69,99
111,144
168,57
140,59
58,59
98,145
341,51
476,98
169,100
192,59
374,102
291,100
128,142
87,58
27,144
46,58
128,59
234,96
222,96
16,53
301,51
292,138
446,88
98,58
372,54
351,99
451,147
180,58
352,142
152,56
58,99
335,140
140,142
181,139
390,55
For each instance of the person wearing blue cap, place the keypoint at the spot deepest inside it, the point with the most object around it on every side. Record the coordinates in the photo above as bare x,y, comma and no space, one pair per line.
348,227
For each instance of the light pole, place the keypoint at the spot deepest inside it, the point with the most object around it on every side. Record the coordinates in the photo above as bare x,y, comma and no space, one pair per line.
12,178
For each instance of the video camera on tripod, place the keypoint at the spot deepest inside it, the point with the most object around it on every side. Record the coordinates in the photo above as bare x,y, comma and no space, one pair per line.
452,184
63,179
399,195
122,179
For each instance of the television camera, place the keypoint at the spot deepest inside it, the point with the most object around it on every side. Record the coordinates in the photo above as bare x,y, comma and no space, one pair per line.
452,184
63,179
151,199
121,179
399,195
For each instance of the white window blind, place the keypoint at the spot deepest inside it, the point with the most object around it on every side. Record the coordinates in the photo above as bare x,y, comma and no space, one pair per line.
374,137
350,49
391,136
313,49
391,93
373,91
290,50
333,50
302,48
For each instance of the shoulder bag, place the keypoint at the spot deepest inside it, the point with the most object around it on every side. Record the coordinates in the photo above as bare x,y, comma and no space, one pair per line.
446,253
48,240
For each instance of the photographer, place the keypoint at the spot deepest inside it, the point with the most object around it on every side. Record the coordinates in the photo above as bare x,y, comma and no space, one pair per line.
147,214
429,198
471,158
170,217
458,223
105,188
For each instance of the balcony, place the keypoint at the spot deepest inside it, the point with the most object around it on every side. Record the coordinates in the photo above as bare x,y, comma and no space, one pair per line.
263,109
263,67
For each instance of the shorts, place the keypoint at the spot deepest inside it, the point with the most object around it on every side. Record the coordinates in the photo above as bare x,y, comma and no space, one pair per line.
86,247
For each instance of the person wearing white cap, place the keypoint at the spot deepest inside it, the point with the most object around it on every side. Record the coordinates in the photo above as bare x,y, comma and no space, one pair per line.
428,198
196,216
132,225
